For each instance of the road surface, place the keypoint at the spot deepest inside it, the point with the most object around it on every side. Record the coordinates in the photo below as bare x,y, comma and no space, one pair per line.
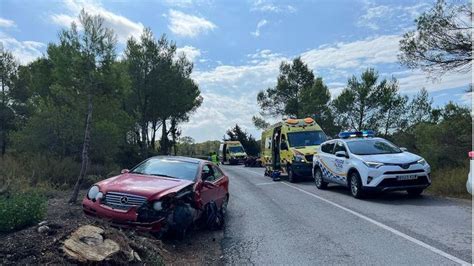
297,224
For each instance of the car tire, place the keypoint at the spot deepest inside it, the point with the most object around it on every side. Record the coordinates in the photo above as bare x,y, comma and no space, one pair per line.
415,191
355,185
291,175
318,179
224,206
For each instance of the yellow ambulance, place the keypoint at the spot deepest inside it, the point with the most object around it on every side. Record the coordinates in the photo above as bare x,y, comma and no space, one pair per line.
288,147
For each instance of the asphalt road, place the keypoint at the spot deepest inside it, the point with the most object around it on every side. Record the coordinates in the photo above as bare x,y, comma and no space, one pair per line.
297,224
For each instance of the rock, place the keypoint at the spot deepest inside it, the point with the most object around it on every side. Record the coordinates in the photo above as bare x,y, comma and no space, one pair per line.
137,257
88,244
43,229
43,223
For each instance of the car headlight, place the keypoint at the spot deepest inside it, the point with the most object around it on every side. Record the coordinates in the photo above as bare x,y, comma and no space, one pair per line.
157,206
299,158
92,193
373,164
422,161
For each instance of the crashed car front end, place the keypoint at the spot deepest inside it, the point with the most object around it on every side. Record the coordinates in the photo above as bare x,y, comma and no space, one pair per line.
157,213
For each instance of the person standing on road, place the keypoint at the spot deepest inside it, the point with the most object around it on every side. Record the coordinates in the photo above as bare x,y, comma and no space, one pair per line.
214,158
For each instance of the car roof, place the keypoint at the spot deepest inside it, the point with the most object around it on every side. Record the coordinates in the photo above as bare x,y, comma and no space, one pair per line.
180,158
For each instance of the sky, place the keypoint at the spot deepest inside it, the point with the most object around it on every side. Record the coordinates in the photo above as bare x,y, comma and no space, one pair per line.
237,46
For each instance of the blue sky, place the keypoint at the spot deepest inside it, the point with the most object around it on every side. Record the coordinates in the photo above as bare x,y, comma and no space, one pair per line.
237,46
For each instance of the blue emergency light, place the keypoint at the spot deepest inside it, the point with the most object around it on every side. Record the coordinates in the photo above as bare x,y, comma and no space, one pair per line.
357,134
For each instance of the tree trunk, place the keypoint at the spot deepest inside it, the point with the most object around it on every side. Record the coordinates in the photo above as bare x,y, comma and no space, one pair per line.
164,139
85,151
3,126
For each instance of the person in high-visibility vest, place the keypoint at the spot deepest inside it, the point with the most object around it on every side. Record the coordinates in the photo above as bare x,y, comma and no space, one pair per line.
214,158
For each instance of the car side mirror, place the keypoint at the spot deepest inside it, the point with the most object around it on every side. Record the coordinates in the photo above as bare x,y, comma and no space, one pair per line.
283,146
124,171
341,154
403,149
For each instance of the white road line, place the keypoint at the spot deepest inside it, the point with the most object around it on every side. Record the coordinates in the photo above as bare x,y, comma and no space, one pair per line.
266,183
386,227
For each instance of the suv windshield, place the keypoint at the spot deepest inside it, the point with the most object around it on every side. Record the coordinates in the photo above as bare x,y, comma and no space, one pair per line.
168,168
370,147
306,138
236,149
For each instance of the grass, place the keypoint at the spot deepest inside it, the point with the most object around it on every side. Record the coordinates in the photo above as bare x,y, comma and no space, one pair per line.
450,182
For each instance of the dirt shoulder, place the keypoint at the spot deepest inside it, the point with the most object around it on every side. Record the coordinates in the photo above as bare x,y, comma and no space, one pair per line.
28,246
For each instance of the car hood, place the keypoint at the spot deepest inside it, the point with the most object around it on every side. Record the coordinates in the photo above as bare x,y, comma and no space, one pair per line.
396,158
306,150
143,185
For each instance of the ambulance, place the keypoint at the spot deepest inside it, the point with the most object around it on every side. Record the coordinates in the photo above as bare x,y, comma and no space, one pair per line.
232,152
288,147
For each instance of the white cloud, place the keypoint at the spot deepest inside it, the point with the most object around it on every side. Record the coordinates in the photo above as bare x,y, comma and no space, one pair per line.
122,26
23,51
260,24
401,16
191,52
269,6
186,25
7,23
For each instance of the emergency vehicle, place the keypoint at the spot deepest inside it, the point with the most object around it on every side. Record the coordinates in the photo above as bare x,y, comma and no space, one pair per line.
288,147
365,163
232,152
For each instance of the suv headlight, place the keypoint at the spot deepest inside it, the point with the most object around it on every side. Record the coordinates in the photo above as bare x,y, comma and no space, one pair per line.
299,158
373,164
422,161
93,192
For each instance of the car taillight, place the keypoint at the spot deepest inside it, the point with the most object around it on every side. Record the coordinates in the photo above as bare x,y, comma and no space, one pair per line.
471,155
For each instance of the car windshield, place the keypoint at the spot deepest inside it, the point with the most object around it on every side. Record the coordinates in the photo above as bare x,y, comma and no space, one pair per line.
236,149
370,147
168,168
306,138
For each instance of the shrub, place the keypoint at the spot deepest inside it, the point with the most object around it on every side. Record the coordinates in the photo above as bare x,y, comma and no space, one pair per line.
450,182
21,210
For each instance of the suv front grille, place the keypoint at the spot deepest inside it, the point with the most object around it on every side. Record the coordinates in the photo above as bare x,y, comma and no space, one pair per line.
122,201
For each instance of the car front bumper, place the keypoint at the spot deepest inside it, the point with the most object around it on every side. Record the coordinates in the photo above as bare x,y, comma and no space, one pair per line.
120,218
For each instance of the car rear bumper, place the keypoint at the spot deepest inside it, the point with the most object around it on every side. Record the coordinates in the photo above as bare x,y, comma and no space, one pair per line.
119,218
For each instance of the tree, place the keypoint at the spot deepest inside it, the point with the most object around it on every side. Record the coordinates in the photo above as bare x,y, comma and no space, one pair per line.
419,108
442,41
285,98
260,123
93,52
392,107
357,105
8,70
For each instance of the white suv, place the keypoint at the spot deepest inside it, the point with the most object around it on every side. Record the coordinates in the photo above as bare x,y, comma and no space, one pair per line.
365,163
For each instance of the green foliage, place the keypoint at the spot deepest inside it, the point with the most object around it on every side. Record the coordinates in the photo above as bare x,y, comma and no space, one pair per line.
450,182
187,147
20,210
442,41
8,69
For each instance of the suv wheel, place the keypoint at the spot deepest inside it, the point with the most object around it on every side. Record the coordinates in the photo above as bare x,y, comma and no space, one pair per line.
291,174
318,179
356,185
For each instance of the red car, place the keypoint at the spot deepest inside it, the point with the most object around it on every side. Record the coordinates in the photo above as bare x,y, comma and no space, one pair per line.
160,194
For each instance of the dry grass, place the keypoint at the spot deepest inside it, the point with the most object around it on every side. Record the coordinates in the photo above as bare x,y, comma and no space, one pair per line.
450,182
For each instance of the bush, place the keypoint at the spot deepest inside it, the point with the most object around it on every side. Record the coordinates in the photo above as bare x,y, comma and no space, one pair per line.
450,182
21,210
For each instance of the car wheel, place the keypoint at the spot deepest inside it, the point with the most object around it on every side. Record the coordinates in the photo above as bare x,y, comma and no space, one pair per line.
291,174
318,179
414,191
224,206
356,185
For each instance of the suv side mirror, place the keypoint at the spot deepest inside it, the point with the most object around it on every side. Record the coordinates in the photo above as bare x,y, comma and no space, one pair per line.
283,146
124,171
403,149
341,154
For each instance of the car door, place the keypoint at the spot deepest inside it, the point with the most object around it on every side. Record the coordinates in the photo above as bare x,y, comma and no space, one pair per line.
326,159
222,183
209,191
340,164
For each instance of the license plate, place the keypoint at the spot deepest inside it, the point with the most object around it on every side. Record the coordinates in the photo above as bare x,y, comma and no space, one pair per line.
407,177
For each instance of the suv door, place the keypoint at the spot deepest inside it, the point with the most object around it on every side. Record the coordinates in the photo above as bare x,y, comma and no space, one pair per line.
326,157
340,164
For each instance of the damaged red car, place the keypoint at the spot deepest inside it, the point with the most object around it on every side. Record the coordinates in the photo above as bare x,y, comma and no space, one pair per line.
162,194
